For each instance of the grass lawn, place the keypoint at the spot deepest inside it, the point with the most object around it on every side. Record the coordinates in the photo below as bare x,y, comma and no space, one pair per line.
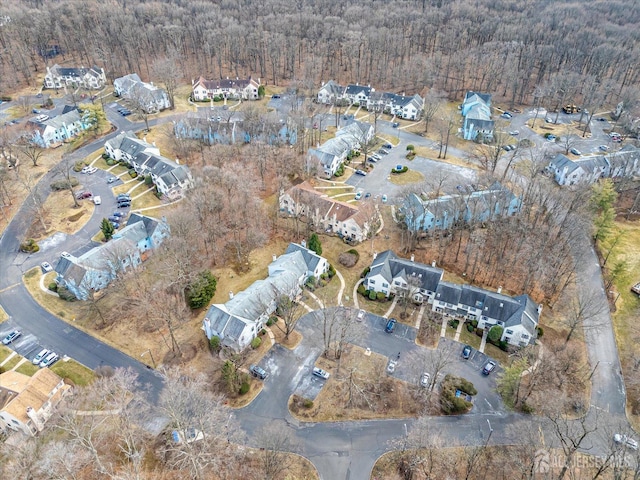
147,200
407,178
3,315
12,363
375,307
62,216
470,338
432,153
392,139
4,352
74,371
54,304
27,368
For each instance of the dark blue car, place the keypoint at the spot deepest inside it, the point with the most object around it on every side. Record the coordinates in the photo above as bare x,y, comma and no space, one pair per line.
391,325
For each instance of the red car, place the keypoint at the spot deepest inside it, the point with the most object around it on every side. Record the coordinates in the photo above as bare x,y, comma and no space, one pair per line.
83,195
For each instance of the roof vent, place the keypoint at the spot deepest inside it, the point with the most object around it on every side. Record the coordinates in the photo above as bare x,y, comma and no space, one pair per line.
273,257
413,257
500,290
230,295
501,304
433,264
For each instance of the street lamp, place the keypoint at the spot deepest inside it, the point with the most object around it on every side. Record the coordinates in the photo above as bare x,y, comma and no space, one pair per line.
151,355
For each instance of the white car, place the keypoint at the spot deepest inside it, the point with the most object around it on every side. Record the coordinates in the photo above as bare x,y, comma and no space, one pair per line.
318,372
358,195
424,380
391,367
92,170
40,356
514,133
626,441
49,360
361,314
85,169
46,267
384,198
97,200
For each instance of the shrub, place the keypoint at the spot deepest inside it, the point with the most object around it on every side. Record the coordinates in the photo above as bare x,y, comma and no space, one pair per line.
148,181
470,328
132,173
263,332
217,98
467,387
495,334
244,388
214,343
339,171
381,297
307,403
78,166
540,331
256,342
474,323
402,170
140,178
347,259
449,403
110,161
314,244
63,184
372,295
454,323
324,276
29,246
410,148
105,156
332,271
362,290
53,286
503,345
65,294
365,272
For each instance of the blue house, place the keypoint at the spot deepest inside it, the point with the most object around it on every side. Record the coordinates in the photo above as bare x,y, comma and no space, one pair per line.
444,212
97,268
476,113
54,131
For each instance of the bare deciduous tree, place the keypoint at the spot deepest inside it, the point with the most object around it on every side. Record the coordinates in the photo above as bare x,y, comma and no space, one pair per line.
276,442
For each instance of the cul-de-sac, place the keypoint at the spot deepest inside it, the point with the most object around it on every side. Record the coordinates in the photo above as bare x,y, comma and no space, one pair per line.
319,241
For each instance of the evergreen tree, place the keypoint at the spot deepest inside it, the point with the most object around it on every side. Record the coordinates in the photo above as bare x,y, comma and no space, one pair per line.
107,229
314,244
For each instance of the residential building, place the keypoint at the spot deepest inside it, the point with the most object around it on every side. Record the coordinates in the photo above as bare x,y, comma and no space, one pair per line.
90,78
330,92
476,113
519,316
237,322
392,275
170,178
213,131
402,106
238,89
589,169
353,223
146,96
332,153
52,132
26,403
97,268
444,212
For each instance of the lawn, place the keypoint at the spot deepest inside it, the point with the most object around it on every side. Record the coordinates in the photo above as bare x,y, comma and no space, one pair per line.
63,216
4,352
432,153
392,139
74,371
27,368
11,363
407,178
3,315
54,304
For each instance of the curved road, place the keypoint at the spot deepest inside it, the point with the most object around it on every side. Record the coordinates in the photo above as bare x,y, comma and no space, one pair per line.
343,450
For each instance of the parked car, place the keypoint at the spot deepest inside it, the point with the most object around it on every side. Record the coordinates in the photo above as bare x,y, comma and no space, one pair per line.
11,336
111,179
388,146
275,97
466,352
119,214
395,124
489,367
49,360
384,198
376,156
361,172
604,148
391,325
114,218
372,159
424,380
97,200
84,194
124,204
257,372
575,151
40,356
116,225
382,151
85,169
601,119
358,195
92,170
626,441
514,132
551,138
318,372
361,315
123,196
506,115
367,195
46,267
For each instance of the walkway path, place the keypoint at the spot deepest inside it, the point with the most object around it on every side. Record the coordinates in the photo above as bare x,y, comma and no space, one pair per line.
393,305
443,329
356,304
315,297
11,355
420,313
458,331
483,342
45,289
342,287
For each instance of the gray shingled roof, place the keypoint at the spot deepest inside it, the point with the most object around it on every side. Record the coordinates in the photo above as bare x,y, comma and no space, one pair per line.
449,293
311,259
390,266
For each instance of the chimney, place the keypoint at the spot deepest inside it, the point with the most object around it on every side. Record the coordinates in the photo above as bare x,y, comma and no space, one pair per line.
144,139
500,289
413,257
375,254
178,161
153,143
273,257
539,309
303,243
433,264
230,295
33,415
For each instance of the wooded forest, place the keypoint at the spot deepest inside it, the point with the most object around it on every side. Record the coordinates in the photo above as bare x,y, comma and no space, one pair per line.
499,46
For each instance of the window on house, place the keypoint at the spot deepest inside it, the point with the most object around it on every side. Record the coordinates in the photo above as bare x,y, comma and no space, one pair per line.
509,332
385,285
372,282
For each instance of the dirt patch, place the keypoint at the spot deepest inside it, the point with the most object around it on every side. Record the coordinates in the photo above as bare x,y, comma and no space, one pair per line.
187,353
359,389
292,342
